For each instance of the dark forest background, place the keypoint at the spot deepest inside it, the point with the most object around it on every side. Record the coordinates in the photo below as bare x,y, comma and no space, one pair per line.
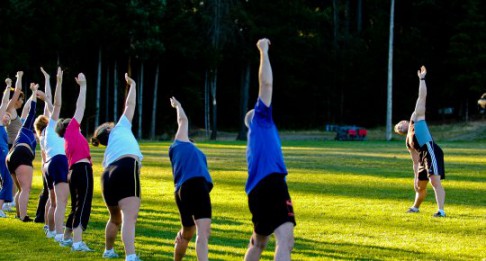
329,58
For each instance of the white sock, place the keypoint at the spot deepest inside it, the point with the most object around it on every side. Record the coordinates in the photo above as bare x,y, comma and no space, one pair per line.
59,237
77,244
131,257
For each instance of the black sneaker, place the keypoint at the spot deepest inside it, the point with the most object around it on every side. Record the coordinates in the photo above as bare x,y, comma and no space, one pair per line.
439,214
39,220
26,219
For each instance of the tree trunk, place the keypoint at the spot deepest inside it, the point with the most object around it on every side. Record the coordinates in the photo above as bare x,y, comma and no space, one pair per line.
206,104
335,13
244,93
98,89
359,16
140,104
107,94
154,103
390,74
115,92
214,78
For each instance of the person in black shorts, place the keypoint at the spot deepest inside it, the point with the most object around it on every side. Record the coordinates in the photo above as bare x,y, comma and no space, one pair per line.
427,156
121,177
192,187
268,196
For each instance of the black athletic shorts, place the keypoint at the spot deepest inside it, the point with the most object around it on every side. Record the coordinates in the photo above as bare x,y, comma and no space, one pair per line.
270,204
193,200
57,170
431,161
121,179
19,155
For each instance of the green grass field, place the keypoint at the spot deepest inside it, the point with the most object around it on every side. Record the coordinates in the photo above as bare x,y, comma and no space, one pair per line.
349,198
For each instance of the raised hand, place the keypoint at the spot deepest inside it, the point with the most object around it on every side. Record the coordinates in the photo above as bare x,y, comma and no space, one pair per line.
59,75
174,103
263,44
46,75
81,79
422,72
128,79
8,81
34,87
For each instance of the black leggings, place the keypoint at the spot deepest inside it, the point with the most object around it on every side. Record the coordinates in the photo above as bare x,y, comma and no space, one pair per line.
81,188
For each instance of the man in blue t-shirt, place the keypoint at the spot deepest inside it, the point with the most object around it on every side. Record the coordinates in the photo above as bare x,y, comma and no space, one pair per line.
268,197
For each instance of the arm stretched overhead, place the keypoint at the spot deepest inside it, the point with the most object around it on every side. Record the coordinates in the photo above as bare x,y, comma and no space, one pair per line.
265,76
6,93
48,94
131,101
57,96
18,90
419,113
182,121
81,102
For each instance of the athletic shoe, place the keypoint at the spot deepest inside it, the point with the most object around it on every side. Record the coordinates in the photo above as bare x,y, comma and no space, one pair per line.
413,210
132,258
2,214
50,234
26,219
81,247
7,207
110,254
39,220
66,242
439,214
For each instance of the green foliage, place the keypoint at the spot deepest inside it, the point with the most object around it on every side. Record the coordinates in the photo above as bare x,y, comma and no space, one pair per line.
349,198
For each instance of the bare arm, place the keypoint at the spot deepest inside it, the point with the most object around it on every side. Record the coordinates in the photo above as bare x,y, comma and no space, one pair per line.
183,129
48,94
57,96
131,101
265,76
33,98
416,160
18,89
422,95
81,102
6,93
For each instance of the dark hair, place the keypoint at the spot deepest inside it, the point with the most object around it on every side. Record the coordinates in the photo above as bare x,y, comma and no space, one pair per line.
102,134
61,126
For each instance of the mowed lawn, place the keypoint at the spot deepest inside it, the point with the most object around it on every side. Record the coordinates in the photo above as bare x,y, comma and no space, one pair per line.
349,198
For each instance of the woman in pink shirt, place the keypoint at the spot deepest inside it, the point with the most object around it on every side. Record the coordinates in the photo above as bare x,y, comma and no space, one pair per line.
80,173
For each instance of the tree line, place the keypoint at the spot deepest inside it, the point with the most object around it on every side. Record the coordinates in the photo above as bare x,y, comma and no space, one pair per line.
329,58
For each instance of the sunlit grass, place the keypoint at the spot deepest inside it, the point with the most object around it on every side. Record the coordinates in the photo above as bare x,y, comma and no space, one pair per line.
349,198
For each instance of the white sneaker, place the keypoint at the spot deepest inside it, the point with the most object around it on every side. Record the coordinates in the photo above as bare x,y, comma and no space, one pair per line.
66,242
7,206
2,214
132,258
110,254
81,247
51,234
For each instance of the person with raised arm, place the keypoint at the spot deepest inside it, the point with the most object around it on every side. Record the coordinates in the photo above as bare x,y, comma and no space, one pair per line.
6,182
192,184
13,122
56,162
20,157
121,177
268,196
427,156
80,176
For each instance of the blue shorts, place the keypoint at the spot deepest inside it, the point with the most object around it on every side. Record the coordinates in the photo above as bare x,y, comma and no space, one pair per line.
57,170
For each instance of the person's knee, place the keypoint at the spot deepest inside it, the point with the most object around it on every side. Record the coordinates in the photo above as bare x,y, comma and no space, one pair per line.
259,244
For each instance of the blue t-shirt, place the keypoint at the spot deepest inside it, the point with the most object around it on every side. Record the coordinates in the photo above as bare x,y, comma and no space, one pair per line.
121,142
264,150
187,162
26,133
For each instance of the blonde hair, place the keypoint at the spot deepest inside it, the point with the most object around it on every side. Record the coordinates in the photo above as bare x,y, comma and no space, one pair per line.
40,124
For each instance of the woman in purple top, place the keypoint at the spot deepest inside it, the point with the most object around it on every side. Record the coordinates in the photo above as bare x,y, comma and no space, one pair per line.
21,155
